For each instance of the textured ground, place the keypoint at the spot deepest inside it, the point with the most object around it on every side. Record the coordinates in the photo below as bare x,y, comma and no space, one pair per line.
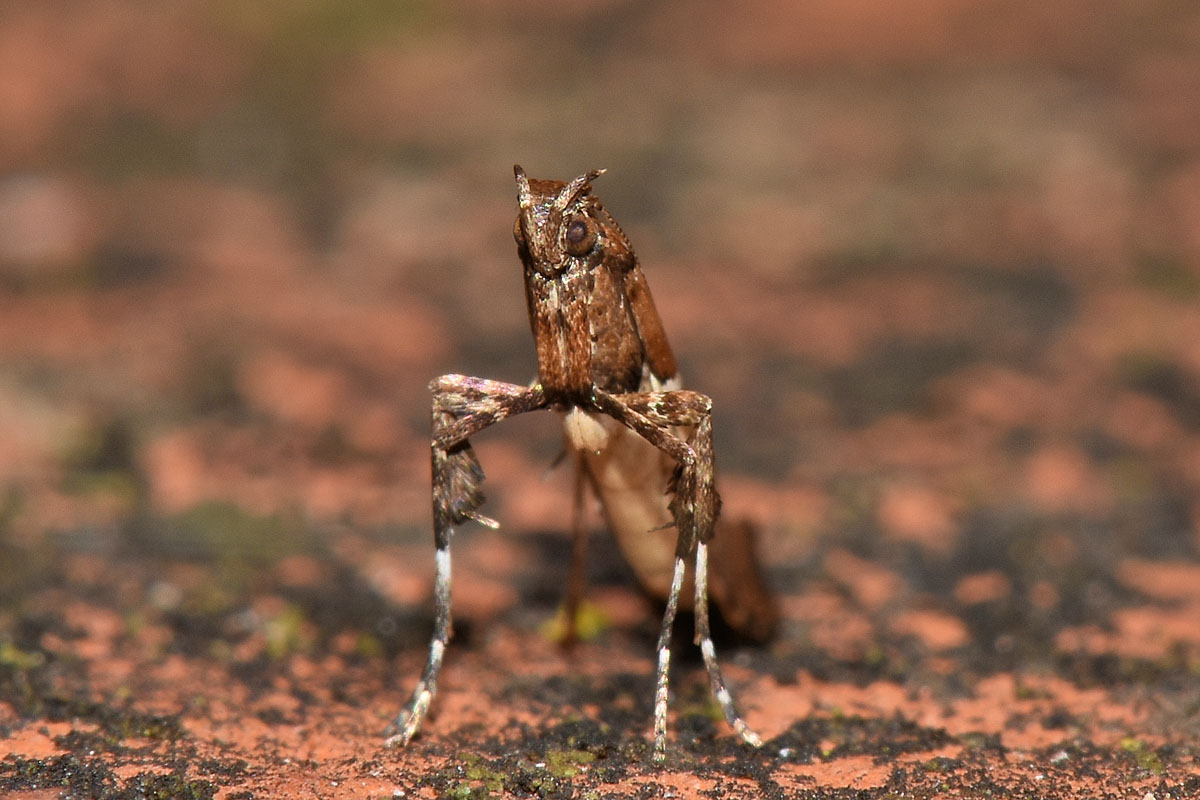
937,264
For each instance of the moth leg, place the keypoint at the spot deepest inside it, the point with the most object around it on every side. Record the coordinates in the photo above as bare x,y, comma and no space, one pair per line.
577,577
462,406
695,505
661,689
704,638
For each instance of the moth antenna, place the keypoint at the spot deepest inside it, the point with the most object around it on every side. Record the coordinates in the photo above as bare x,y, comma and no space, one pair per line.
577,188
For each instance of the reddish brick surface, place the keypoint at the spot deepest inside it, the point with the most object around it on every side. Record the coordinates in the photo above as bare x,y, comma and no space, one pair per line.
937,264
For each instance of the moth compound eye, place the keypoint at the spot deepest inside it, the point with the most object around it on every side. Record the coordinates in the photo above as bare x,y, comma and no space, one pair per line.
580,237
517,232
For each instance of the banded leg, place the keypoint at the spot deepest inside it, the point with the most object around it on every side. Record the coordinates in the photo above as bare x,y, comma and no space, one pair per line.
695,505
462,406
704,638
661,689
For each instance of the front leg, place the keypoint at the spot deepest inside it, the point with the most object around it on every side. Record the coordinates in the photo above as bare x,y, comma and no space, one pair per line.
462,406
655,416
695,504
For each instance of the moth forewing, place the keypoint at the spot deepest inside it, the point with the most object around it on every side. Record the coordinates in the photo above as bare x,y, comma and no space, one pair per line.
659,357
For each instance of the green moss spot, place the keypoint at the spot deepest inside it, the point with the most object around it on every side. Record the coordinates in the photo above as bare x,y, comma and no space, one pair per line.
1143,754
287,633
18,659
567,763
481,775
368,646
590,622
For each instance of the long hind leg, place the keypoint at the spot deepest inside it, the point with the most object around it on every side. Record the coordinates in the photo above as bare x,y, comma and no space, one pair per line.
704,638
577,576
695,506
462,406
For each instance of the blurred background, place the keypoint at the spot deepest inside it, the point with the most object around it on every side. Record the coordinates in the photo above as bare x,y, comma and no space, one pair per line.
937,262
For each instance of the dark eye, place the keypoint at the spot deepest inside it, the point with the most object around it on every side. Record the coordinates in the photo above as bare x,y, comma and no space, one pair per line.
581,236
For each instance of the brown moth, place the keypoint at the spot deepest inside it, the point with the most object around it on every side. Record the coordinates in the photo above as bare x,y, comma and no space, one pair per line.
642,442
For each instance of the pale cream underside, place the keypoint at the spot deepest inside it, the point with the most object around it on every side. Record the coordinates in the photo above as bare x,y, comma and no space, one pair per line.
630,478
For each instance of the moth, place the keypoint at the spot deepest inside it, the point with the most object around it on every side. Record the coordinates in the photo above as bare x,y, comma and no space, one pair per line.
642,442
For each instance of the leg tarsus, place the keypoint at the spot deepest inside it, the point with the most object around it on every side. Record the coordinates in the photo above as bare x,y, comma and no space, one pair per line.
661,687
407,722
704,638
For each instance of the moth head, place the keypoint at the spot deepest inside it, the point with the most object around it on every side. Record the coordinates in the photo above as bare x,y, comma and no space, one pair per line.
554,226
